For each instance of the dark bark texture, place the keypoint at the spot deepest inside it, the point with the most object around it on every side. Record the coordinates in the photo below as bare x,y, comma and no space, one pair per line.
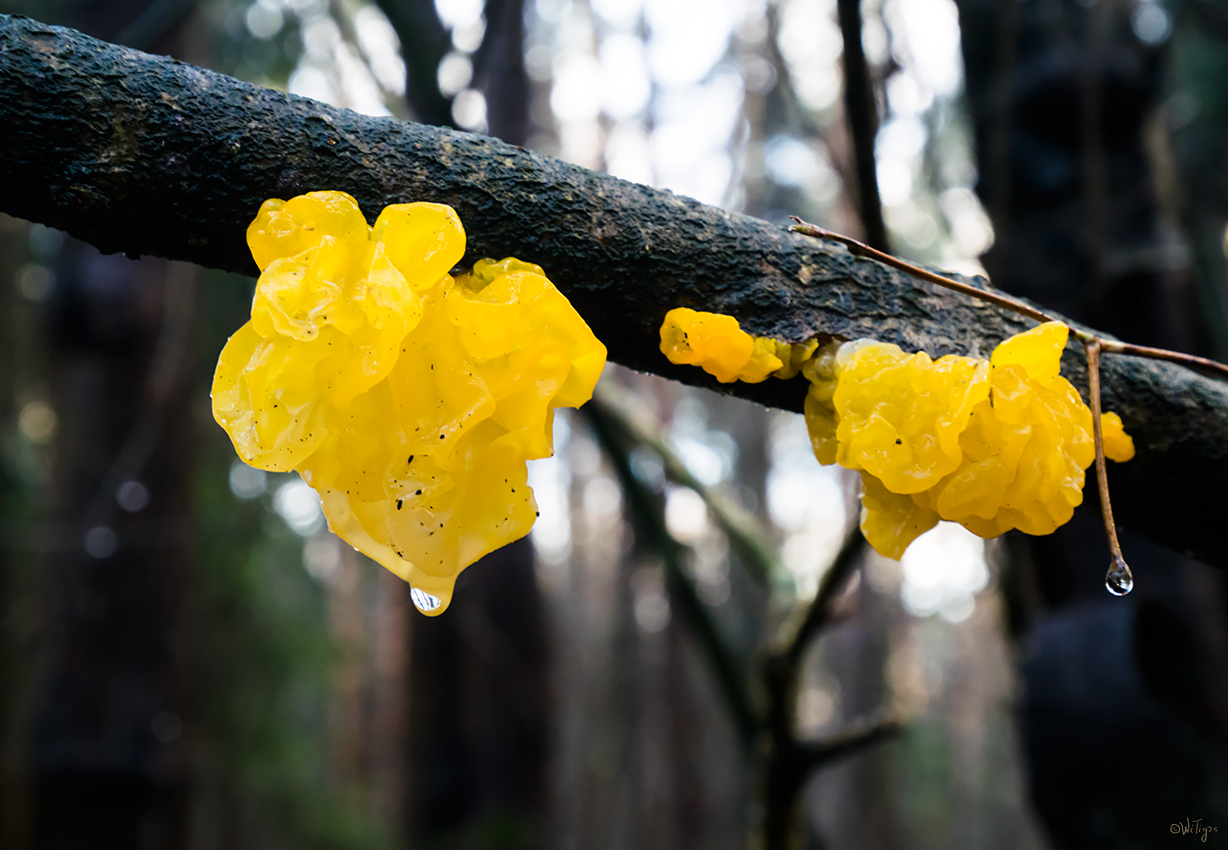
146,155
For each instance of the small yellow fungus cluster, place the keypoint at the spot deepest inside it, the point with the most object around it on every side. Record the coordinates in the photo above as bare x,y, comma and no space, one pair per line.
722,349
1118,445
993,445
408,399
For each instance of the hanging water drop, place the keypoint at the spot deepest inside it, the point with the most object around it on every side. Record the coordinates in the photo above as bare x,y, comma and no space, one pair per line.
1119,580
423,601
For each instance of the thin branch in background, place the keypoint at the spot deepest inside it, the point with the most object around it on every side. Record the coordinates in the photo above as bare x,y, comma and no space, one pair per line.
790,761
793,762
787,761
861,110
649,518
747,539
819,613
856,736
782,670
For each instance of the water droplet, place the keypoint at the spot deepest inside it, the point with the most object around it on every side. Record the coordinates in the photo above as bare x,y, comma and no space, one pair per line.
423,601
1119,580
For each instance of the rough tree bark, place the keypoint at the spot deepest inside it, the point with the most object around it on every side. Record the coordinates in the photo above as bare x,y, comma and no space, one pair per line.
146,155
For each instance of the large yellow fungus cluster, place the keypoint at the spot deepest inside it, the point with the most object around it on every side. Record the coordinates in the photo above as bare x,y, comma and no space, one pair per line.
992,445
408,399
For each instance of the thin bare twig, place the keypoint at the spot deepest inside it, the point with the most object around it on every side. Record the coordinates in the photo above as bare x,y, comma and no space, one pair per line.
1006,302
1119,580
861,249
1112,346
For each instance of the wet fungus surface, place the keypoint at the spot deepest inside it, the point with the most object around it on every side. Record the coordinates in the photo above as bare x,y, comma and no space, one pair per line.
408,399
992,444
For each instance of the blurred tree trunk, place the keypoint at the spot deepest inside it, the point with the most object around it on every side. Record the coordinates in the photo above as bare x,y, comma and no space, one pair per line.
499,72
1060,97
1197,117
1072,163
479,711
106,764
424,41
479,700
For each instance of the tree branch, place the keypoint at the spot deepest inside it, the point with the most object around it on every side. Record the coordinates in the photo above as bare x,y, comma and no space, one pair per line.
147,155
858,735
819,614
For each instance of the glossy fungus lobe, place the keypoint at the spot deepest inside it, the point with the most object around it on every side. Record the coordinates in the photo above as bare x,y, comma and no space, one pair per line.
408,399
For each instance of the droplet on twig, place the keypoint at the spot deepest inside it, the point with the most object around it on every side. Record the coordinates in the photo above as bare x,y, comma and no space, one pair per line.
1119,580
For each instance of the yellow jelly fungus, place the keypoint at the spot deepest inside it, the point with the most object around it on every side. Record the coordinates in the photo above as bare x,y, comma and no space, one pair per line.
793,356
718,345
993,445
1118,445
408,399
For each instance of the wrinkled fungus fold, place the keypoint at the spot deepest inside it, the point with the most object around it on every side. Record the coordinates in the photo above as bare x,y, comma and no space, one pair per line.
994,444
408,399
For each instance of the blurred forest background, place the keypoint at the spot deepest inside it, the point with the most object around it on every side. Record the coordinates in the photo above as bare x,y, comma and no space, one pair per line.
188,659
